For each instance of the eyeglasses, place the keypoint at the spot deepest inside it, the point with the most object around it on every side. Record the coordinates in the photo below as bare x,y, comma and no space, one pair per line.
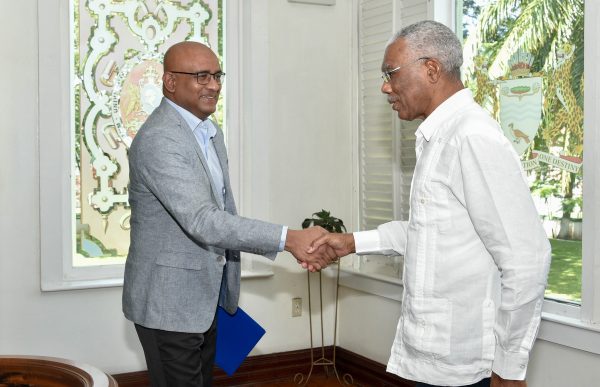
203,77
387,75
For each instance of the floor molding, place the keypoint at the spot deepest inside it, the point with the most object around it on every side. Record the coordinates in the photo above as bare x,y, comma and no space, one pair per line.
285,365
367,372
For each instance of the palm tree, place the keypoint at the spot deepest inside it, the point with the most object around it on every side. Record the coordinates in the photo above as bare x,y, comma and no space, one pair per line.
537,26
542,28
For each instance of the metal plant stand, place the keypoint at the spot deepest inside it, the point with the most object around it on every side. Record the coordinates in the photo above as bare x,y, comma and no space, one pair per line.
323,361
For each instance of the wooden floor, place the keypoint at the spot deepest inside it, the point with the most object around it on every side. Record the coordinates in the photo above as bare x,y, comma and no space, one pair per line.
279,369
314,381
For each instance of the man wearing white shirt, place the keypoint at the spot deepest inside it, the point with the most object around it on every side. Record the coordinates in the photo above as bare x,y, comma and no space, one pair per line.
476,257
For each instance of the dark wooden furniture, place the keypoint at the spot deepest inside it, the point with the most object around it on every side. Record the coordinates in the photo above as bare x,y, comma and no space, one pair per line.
38,371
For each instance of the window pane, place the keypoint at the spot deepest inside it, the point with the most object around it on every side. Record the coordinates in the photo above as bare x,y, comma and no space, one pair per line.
524,63
116,70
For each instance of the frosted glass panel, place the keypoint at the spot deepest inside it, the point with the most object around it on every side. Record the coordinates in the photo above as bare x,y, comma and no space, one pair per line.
116,69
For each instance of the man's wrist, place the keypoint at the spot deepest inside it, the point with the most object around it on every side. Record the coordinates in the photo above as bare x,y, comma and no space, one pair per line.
350,243
283,238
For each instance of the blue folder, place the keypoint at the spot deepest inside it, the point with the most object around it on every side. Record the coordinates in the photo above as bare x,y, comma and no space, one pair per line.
237,334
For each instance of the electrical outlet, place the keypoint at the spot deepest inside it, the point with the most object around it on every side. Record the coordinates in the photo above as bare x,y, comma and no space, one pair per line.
296,307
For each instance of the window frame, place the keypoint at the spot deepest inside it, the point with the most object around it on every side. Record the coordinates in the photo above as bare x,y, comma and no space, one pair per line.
55,156
590,276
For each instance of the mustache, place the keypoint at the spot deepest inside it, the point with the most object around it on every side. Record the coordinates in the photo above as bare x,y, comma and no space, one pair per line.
391,100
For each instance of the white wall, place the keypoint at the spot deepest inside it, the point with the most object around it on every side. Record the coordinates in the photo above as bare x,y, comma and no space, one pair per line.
299,157
296,165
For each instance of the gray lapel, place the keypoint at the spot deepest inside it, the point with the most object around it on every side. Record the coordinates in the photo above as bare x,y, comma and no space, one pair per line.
219,144
191,139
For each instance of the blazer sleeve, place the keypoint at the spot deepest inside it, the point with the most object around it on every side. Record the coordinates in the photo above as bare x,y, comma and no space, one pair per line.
167,165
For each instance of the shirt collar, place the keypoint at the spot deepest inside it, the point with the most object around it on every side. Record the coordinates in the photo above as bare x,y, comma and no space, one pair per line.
443,113
206,127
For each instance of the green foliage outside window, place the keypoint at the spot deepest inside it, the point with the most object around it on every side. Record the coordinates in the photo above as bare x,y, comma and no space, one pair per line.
552,32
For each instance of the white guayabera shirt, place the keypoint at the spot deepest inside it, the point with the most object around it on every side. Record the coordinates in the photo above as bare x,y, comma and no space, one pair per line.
476,257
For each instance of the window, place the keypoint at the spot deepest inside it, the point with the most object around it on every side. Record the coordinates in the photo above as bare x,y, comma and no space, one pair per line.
531,79
100,77
386,155
551,40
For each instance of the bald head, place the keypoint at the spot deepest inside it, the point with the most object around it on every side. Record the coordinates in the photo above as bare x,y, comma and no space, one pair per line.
182,62
179,53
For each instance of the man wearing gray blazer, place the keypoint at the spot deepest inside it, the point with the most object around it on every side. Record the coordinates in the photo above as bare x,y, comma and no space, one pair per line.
186,236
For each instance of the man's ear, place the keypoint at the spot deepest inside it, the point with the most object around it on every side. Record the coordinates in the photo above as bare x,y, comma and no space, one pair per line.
169,82
434,70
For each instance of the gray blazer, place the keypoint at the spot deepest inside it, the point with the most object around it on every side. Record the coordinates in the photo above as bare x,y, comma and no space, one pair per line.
184,253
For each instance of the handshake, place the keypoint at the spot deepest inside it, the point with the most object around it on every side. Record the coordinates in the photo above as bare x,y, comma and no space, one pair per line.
315,248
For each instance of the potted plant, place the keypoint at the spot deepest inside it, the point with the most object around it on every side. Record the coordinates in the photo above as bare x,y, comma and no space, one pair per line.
324,219
332,224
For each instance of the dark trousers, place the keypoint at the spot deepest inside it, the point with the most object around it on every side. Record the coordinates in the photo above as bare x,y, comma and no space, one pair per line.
482,383
176,359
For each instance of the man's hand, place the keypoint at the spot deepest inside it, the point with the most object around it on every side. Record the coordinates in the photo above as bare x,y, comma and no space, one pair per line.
497,381
298,243
341,244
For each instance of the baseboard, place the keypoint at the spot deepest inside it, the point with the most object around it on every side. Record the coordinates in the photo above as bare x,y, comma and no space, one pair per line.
285,365
367,372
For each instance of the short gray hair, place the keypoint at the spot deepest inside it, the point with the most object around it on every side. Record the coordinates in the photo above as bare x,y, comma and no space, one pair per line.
429,38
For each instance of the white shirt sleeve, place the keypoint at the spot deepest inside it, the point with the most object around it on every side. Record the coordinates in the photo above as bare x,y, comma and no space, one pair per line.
388,239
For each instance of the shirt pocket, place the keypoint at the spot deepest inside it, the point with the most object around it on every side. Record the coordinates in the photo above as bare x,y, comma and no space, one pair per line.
428,325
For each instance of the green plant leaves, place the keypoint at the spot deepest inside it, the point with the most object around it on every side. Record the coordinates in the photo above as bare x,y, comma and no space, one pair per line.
324,219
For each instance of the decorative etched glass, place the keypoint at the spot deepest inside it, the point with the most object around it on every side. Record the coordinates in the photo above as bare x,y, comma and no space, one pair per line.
116,71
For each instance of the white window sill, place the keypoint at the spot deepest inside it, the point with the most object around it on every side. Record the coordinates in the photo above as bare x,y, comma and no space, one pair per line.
247,274
53,286
556,328
59,285
380,285
570,332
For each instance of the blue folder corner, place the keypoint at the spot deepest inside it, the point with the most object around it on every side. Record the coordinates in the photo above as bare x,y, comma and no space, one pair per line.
237,334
